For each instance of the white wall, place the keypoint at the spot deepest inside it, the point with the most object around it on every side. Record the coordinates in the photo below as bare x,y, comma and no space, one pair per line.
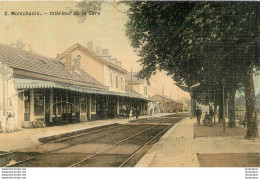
11,101
116,74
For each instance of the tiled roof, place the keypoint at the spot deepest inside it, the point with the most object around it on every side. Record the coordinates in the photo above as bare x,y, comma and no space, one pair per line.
168,99
24,60
128,89
93,55
134,77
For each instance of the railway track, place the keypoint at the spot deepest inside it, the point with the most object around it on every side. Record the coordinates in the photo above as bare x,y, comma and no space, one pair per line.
116,146
130,158
55,157
157,120
109,147
12,158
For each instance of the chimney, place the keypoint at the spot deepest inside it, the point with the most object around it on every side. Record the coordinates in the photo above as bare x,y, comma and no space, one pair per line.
113,60
107,58
68,62
90,45
118,63
98,50
104,52
77,64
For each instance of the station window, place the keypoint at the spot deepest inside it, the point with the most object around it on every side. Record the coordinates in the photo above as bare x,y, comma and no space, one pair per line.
39,104
111,79
54,104
59,104
145,90
83,104
76,104
77,61
64,104
116,82
93,105
27,105
73,101
69,102
122,83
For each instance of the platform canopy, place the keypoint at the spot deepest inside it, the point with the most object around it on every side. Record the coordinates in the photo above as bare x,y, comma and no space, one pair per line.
25,83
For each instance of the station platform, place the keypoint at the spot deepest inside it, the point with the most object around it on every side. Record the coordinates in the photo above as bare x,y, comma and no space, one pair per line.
185,145
189,145
30,137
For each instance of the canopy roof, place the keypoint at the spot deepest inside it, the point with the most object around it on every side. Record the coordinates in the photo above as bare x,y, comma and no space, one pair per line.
25,83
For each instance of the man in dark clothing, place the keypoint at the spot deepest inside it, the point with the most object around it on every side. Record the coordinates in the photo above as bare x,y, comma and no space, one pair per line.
137,113
211,116
133,112
198,114
127,112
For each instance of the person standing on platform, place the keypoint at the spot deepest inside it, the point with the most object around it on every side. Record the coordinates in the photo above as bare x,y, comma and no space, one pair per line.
127,112
211,116
133,112
137,113
198,114
151,111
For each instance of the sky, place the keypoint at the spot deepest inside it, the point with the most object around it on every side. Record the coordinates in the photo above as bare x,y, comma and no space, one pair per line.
257,84
49,35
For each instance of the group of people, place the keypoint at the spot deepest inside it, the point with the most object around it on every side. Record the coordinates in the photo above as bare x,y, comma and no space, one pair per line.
136,112
208,117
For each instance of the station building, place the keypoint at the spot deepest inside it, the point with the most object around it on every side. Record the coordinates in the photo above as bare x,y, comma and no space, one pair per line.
168,105
139,86
79,85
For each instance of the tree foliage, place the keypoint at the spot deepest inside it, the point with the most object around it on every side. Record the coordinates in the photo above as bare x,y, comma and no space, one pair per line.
191,40
18,44
215,44
85,6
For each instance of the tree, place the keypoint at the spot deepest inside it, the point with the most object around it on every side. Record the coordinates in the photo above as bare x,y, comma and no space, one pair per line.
209,43
93,6
18,44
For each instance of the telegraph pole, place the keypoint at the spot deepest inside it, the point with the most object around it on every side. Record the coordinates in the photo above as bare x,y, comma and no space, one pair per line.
163,97
3,96
131,80
163,91
224,120
3,86
214,108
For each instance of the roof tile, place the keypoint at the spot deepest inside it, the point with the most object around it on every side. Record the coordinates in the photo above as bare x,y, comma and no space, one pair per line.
24,60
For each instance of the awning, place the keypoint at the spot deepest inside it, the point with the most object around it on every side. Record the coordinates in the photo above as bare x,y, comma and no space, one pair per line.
24,83
20,83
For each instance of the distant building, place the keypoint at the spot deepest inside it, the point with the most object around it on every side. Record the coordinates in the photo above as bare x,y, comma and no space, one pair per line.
141,86
168,105
138,84
241,103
